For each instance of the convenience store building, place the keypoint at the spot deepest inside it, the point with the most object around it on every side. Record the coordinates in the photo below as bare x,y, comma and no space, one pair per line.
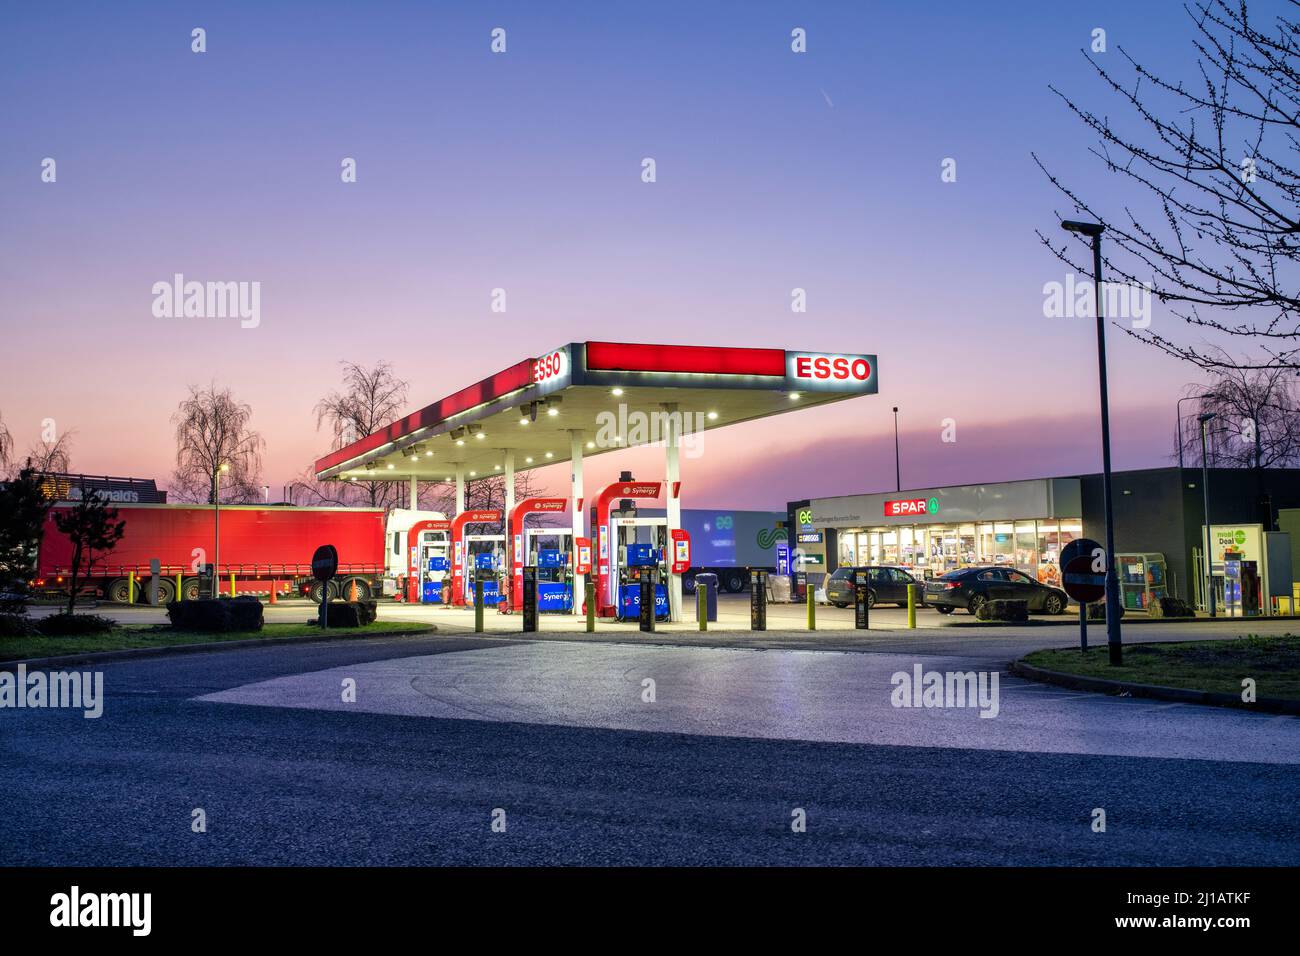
1159,514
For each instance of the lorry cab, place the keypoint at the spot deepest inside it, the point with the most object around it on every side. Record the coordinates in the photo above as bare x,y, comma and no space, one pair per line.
417,555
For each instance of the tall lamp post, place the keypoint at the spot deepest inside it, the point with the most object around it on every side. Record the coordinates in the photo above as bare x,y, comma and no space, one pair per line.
1114,644
216,528
1205,493
898,475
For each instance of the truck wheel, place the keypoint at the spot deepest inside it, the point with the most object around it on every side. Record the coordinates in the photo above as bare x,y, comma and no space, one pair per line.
119,591
190,589
363,589
166,592
688,584
316,589
734,582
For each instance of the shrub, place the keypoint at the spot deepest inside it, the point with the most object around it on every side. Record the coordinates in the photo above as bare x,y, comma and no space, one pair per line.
1170,607
16,625
68,625
1012,611
1097,611
349,613
217,615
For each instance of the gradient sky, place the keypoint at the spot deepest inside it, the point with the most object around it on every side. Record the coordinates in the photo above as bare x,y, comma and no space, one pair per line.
522,171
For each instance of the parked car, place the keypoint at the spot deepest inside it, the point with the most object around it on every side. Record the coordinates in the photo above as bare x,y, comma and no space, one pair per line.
885,585
970,587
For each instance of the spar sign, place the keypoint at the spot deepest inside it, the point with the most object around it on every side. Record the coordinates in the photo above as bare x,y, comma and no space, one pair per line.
901,507
830,372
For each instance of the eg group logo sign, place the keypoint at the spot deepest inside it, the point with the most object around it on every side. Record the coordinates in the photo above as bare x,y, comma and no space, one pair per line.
831,372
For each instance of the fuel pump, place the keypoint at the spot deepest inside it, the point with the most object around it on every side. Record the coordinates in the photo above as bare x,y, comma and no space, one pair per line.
524,549
636,563
554,580
475,556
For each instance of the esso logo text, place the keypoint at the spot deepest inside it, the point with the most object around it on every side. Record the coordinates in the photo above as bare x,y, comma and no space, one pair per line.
550,367
837,368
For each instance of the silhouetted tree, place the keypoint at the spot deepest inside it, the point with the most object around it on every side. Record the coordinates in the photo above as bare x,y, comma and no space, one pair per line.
212,429
91,526
23,507
1218,161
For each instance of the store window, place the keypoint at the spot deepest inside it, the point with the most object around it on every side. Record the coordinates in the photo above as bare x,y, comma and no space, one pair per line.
1026,547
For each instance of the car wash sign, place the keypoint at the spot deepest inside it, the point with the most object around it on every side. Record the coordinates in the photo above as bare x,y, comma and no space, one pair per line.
830,372
903,507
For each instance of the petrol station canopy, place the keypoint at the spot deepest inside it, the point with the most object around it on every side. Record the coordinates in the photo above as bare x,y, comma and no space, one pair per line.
542,410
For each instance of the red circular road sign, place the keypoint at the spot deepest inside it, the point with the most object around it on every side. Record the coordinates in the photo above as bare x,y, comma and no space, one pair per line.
1081,582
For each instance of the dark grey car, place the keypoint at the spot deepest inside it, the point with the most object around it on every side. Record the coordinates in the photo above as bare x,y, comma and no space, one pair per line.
885,585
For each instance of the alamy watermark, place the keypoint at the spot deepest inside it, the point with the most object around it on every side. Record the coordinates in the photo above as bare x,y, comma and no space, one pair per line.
941,689
82,691
179,299
626,428
1074,299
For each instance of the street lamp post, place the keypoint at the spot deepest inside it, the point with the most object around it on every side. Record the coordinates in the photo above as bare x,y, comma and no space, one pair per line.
898,479
1205,497
1093,230
216,528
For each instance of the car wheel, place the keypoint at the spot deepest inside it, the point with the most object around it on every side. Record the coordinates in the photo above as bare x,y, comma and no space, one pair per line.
944,608
839,604
975,603
871,599
1054,604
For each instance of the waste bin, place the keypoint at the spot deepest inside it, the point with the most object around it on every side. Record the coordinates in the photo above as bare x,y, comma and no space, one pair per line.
709,582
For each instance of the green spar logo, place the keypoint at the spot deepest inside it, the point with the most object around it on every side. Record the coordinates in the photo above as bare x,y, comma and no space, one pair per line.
768,537
932,506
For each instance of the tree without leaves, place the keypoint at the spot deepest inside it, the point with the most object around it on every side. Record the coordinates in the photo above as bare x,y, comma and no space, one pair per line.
1256,423
1218,244
212,430
23,507
91,526
6,446
371,399
53,457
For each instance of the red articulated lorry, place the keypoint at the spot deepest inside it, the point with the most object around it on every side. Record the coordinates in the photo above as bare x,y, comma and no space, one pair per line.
264,547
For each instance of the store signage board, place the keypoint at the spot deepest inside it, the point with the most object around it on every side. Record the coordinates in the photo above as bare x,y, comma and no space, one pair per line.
899,507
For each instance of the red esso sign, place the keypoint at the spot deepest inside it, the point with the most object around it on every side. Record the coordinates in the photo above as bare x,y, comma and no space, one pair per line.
549,367
832,368
905,506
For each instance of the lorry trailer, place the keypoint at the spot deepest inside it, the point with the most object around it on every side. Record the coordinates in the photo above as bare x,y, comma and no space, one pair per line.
266,548
731,543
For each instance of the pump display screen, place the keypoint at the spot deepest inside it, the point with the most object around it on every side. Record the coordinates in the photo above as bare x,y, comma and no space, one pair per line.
485,562
641,556
552,559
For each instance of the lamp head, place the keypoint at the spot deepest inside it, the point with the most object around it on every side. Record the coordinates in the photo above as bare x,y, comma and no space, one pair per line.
1092,229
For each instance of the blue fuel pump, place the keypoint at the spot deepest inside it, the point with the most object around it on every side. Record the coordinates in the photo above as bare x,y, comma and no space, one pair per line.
637,561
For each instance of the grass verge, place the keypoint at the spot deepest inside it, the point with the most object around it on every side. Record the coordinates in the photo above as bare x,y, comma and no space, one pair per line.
132,636
1216,666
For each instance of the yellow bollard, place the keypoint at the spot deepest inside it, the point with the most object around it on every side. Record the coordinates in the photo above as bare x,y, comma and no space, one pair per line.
812,607
130,587
180,591
478,606
591,607
232,583
702,606
911,605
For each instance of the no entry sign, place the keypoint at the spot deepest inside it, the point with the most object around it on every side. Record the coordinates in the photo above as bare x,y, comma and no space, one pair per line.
1081,578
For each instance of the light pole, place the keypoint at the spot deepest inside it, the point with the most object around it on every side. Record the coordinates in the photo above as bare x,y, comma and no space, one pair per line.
1205,492
1093,230
216,528
898,479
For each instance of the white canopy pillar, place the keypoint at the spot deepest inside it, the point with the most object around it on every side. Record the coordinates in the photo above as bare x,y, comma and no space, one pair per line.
510,484
672,474
415,493
577,509
460,489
